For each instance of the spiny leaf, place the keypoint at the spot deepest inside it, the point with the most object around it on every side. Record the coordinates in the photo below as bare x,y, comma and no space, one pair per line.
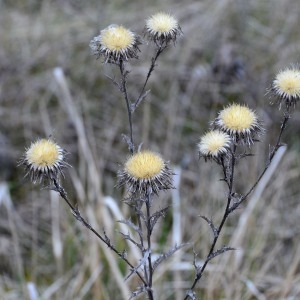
142,263
166,255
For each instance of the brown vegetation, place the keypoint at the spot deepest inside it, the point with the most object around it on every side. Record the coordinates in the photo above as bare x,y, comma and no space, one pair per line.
230,51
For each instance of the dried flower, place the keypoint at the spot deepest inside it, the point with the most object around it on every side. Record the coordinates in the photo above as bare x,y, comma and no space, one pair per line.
214,144
162,28
115,43
44,159
145,172
287,85
240,122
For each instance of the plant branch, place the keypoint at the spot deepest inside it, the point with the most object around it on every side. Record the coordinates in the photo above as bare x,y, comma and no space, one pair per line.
211,254
143,94
271,157
76,213
229,209
282,128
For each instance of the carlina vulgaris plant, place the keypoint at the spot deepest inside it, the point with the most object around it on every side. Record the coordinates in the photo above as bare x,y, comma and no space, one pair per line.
118,45
236,126
145,173
241,126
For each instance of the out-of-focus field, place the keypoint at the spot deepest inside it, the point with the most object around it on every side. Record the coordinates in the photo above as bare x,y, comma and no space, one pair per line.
230,51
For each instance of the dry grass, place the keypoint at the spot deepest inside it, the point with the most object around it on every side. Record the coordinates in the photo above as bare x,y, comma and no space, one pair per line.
230,51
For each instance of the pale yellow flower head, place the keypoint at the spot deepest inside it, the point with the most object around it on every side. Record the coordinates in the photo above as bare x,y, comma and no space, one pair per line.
144,165
240,122
287,85
116,43
44,159
162,27
147,172
214,144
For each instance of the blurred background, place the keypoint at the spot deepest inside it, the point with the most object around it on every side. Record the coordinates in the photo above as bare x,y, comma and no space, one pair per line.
51,85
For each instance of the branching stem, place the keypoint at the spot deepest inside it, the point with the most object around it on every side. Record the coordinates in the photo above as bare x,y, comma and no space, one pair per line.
271,156
143,94
230,208
219,229
76,213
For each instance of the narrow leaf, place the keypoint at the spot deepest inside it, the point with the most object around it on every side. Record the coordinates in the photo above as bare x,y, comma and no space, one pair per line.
142,263
155,217
166,255
211,224
220,251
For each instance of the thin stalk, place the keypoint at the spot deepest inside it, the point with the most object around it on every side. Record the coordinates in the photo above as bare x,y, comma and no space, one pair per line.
142,94
282,128
128,104
150,267
131,107
224,218
224,169
140,224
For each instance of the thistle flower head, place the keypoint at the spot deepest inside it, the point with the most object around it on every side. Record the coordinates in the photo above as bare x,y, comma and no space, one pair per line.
240,122
214,144
162,27
115,43
145,172
44,159
286,85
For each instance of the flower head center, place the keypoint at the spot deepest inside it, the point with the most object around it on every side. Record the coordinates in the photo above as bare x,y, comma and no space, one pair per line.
238,118
144,165
117,38
162,22
288,82
215,142
43,153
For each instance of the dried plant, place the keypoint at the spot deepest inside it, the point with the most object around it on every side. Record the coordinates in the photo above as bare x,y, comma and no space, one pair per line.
145,173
